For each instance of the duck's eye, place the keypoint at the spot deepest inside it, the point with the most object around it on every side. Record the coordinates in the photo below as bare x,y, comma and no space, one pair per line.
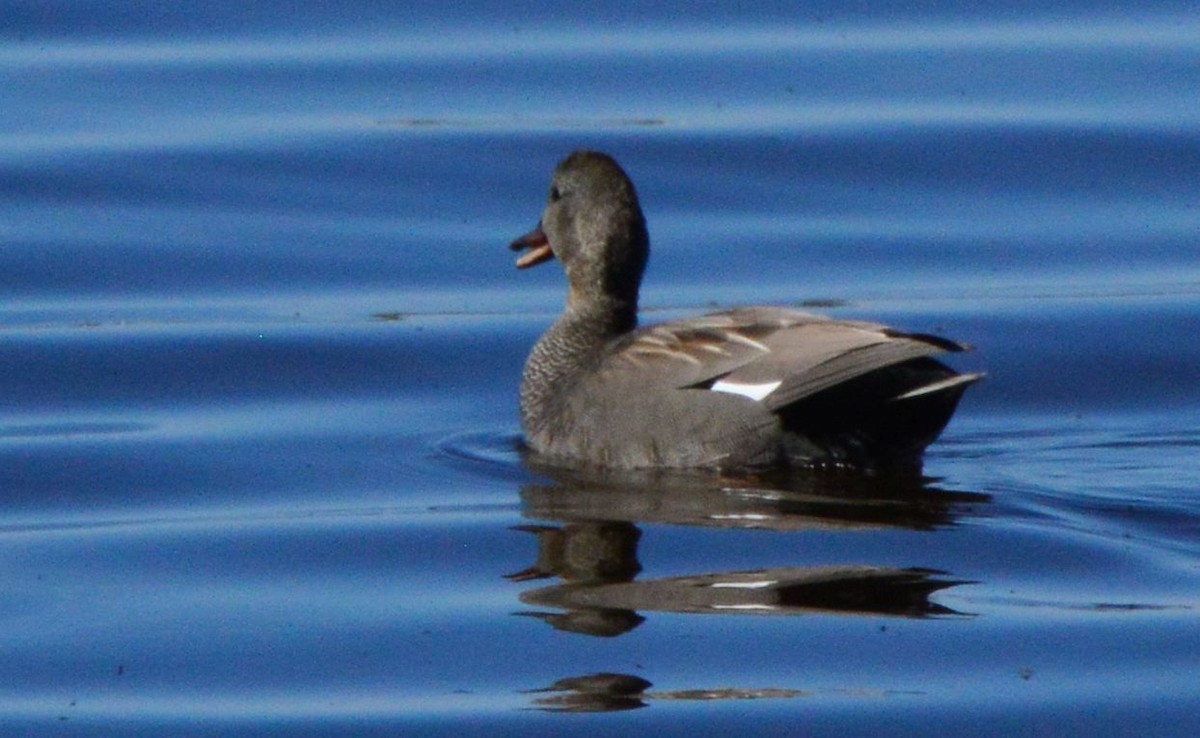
554,193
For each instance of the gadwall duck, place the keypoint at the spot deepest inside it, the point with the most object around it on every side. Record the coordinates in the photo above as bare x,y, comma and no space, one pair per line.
741,389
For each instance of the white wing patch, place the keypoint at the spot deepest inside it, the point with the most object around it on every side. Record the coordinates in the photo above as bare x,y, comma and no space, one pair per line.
744,585
753,391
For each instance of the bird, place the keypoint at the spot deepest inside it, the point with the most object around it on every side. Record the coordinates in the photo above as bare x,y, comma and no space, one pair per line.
738,390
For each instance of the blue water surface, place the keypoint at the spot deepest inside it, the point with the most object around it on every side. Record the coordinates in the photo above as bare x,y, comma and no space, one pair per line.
261,338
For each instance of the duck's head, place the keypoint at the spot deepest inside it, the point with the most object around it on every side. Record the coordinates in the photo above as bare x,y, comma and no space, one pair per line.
594,225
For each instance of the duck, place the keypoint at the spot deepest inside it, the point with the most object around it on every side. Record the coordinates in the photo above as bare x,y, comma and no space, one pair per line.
738,390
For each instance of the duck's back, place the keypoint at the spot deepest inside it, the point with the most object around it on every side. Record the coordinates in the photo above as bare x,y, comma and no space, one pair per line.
753,387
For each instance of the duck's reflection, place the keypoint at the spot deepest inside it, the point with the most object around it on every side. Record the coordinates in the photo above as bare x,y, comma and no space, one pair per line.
593,548
608,692
593,693
789,500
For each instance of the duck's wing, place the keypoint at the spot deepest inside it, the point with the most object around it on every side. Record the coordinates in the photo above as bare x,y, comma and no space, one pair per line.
692,352
772,355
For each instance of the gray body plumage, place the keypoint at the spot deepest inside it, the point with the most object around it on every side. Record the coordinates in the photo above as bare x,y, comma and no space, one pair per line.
739,389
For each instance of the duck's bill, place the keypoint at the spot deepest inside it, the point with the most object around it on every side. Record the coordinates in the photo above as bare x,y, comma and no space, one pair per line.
539,248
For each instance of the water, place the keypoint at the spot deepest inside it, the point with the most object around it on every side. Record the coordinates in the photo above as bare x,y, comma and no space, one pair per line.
261,339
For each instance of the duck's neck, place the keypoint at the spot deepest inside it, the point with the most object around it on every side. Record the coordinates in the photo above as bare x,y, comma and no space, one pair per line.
566,349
